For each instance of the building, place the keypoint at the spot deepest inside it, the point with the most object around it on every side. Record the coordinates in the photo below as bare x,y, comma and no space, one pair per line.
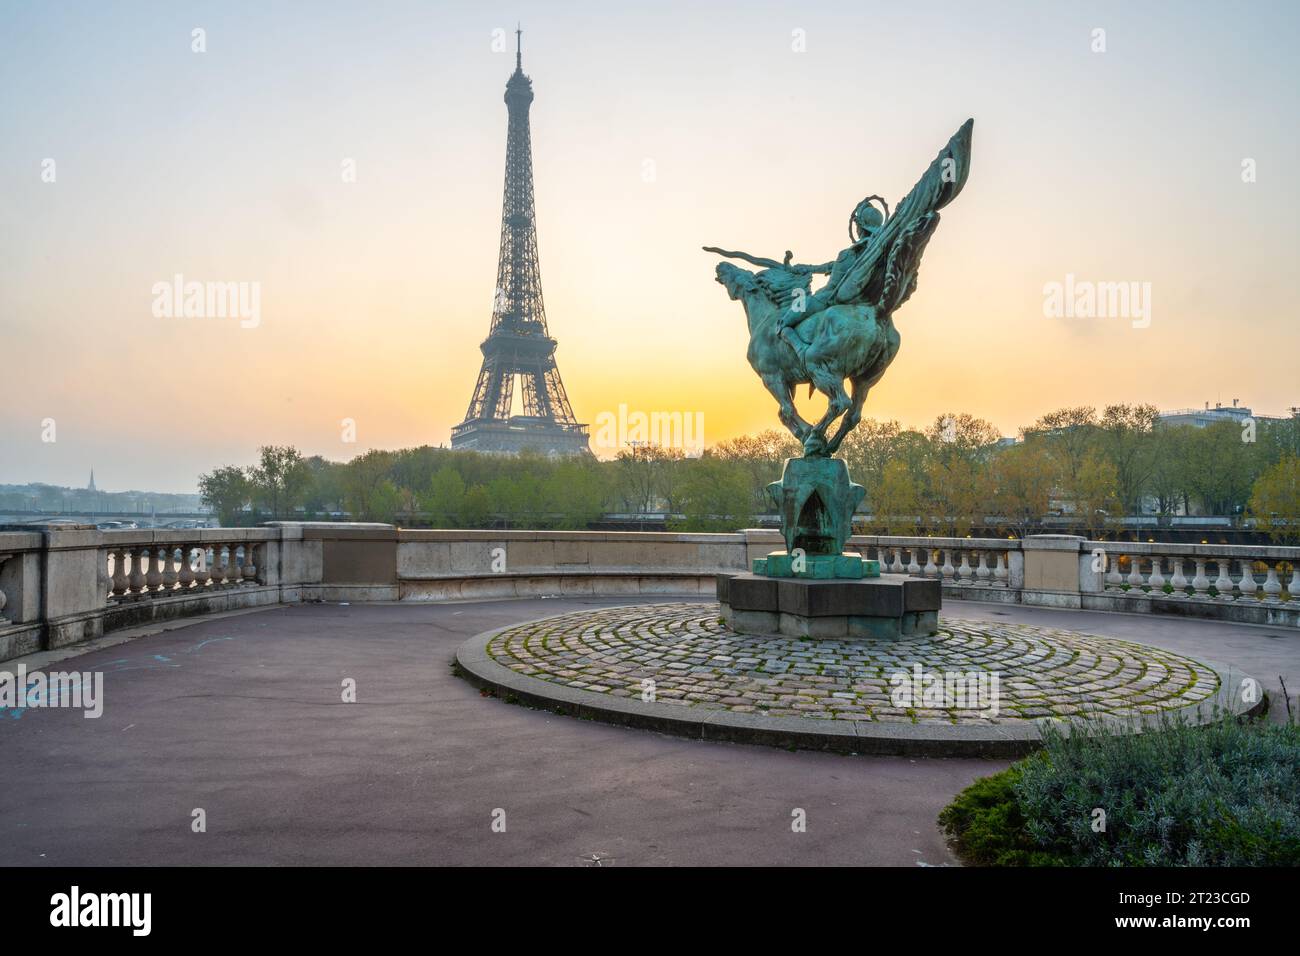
1201,417
519,346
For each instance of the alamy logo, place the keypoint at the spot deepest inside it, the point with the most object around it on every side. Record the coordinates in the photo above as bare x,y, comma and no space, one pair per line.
180,299
975,691
681,430
70,689
1084,299
102,909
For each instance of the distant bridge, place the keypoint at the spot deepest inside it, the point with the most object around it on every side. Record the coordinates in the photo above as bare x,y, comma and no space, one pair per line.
148,518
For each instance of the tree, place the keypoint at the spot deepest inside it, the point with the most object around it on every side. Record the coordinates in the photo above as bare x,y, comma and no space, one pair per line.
368,491
762,456
1220,467
1096,492
1069,433
574,494
280,478
324,493
962,435
1275,500
445,497
476,507
225,490
957,491
1170,481
715,496
517,499
385,501
867,450
648,475
1023,480
957,485
1125,438
1281,439
896,500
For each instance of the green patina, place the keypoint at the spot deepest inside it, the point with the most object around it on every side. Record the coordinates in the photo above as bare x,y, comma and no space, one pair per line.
843,332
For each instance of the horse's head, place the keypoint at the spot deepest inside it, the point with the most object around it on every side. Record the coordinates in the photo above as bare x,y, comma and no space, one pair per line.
738,282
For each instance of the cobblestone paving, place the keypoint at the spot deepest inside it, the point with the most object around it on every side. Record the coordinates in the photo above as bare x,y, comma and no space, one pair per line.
692,660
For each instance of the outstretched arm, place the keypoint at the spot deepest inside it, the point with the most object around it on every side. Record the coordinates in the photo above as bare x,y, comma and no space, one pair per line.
753,260
823,269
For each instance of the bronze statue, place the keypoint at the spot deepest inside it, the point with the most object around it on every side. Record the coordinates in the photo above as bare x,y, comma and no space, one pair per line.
845,329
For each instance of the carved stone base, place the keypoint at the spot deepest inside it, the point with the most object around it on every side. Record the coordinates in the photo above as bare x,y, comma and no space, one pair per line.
781,564
889,607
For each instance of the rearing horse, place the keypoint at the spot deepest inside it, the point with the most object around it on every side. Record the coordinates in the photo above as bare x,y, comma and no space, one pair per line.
845,330
843,342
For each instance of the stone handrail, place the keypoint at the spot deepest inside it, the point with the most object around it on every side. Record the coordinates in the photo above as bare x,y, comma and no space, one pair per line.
64,584
1256,584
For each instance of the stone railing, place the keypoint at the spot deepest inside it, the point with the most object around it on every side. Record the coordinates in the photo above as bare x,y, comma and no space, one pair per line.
1254,584
20,563
169,568
968,567
61,585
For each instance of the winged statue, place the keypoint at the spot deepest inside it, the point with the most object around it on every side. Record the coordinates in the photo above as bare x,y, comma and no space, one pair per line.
844,331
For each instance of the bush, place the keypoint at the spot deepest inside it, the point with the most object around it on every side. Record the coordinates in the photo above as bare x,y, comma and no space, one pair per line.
987,826
1226,794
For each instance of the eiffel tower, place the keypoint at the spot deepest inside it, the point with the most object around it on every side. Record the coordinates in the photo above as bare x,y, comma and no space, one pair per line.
518,344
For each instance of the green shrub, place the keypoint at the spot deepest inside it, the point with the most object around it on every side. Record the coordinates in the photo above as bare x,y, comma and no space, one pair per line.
987,826
1226,794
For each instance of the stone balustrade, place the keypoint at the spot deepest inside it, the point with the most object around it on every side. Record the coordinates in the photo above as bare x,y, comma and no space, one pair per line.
61,585
172,565
1229,581
20,557
995,564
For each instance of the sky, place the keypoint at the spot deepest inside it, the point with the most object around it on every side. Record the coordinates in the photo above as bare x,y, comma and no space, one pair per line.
1159,152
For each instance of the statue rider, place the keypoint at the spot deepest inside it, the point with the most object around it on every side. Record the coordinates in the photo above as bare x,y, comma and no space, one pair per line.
867,221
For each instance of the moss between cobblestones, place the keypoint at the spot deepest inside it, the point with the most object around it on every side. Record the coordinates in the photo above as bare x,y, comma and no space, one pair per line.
692,658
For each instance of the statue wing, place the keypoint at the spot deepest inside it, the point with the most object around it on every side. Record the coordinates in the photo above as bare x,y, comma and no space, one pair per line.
884,274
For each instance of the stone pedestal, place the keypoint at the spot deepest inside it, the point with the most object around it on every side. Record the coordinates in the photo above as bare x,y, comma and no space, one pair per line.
782,564
884,608
816,500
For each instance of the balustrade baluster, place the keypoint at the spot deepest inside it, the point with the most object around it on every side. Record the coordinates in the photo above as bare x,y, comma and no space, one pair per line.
1200,583
119,572
136,579
169,573
897,566
1248,587
1293,588
1157,579
964,572
1223,583
219,567
203,567
931,569
982,572
1114,580
949,572
3,599
912,567
1178,582
1000,571
1134,575
1272,587
186,576
153,577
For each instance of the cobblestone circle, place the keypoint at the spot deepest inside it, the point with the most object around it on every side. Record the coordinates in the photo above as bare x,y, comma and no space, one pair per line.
691,660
